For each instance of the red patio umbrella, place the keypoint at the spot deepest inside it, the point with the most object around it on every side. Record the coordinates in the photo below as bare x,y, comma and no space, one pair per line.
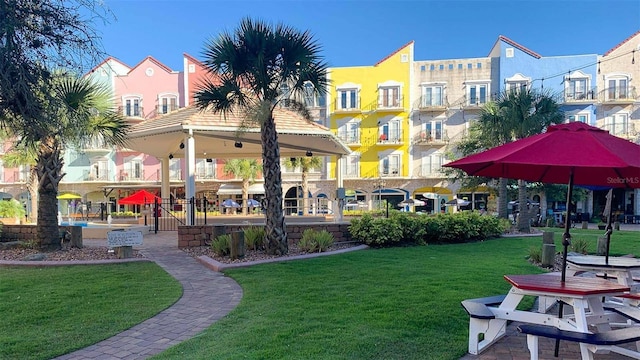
139,198
573,153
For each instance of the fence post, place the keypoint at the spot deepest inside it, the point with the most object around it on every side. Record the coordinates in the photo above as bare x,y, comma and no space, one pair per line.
205,206
156,219
193,209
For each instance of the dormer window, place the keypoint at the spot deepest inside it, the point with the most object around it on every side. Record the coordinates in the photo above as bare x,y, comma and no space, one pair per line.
577,86
518,82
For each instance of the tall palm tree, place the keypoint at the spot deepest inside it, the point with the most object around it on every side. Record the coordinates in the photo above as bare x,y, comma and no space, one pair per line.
306,164
247,170
252,65
524,113
79,112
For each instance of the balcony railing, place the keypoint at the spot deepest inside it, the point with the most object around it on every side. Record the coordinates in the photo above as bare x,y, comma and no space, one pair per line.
103,176
428,172
429,103
391,139
348,107
390,172
390,104
165,109
131,111
580,96
350,139
618,94
426,138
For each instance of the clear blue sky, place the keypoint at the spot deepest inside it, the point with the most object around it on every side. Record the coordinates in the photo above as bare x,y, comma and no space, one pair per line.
361,32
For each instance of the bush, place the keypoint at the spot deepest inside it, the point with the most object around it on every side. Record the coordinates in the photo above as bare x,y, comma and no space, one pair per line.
254,237
11,209
407,228
535,254
316,241
221,245
580,246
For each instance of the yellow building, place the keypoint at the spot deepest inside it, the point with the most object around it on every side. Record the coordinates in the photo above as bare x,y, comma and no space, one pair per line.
369,109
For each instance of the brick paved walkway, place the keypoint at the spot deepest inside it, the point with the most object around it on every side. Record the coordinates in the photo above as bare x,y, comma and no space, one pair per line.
207,297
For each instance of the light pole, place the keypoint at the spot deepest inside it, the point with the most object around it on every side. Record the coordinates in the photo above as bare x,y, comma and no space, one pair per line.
380,184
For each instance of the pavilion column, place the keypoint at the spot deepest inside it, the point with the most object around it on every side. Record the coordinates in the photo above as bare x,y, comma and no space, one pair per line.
190,167
339,184
165,180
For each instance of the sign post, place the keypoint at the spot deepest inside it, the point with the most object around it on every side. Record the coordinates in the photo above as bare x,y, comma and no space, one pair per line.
123,242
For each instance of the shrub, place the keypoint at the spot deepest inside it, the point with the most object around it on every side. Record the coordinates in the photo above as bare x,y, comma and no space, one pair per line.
535,254
11,209
580,246
221,245
315,241
324,240
254,237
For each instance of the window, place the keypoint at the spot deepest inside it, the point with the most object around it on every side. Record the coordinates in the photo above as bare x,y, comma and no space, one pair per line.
174,169
423,68
479,65
349,132
348,99
469,66
441,66
433,130
351,166
389,97
132,107
517,82
617,89
432,67
577,86
432,95
390,131
431,164
285,95
583,118
616,124
206,169
459,66
133,168
477,94
311,98
167,104
450,66
99,171
390,165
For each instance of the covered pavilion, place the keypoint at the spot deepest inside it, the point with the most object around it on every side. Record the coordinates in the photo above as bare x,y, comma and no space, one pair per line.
191,133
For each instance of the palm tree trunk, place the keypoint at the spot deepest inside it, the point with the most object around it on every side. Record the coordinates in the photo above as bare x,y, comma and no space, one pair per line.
503,212
32,187
275,230
523,208
49,169
305,193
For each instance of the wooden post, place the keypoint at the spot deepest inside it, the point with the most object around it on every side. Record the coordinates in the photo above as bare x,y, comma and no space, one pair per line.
124,252
616,225
548,255
585,224
547,237
237,245
602,246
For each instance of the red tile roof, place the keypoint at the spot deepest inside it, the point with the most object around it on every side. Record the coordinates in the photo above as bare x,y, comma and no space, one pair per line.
393,53
522,48
622,43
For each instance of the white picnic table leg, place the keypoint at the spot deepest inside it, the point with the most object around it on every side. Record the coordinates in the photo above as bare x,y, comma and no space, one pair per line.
532,344
580,307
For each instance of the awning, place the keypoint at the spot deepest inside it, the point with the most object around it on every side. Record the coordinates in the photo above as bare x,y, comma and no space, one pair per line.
234,189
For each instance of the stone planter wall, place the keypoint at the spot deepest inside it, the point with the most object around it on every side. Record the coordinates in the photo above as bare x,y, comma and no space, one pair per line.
192,236
28,232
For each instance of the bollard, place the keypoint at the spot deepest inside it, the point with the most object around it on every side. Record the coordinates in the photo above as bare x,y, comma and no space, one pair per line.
616,226
548,255
547,237
585,224
237,245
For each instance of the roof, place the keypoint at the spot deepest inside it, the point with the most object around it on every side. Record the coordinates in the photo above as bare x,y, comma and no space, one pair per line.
393,53
622,43
216,134
155,61
518,46
106,61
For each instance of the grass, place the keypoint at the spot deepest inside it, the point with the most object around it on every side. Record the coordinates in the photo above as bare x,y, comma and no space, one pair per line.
47,312
397,303
622,242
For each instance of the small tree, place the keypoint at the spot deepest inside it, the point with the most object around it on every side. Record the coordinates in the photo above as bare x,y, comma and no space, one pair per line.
247,170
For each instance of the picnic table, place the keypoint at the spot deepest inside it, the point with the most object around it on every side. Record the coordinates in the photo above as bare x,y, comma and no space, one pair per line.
584,296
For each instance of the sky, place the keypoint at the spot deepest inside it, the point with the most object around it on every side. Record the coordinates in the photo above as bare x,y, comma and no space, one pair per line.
362,32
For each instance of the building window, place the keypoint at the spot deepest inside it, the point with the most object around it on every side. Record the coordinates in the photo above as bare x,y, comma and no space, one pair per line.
432,67
167,104
432,95
617,89
459,66
431,164
311,98
206,168
285,95
450,66
479,65
348,99
99,171
583,118
133,169
349,132
517,82
469,66
389,97
477,94
390,131
351,166
617,124
390,165
441,66
174,169
132,107
433,130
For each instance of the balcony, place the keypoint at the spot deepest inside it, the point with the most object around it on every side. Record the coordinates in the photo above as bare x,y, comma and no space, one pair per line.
348,107
165,109
580,97
429,104
350,139
618,95
392,140
96,148
428,172
425,138
102,177
134,112
390,172
390,105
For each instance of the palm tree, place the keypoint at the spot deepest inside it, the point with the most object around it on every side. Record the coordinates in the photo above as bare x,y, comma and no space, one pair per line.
524,113
252,65
247,170
79,112
305,164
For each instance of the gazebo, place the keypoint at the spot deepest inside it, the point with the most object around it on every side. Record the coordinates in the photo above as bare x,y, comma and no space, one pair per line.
191,133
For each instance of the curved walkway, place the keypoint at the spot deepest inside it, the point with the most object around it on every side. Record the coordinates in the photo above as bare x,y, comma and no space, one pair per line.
207,297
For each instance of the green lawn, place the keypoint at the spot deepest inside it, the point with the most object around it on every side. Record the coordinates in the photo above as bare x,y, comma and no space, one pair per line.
48,312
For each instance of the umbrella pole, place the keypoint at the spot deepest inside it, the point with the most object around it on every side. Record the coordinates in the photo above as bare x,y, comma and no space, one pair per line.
607,234
566,241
